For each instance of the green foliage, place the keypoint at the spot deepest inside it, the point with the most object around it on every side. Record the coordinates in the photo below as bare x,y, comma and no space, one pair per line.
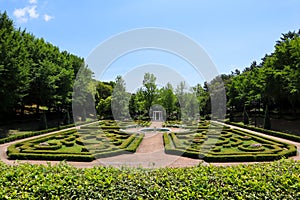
89,143
269,132
225,145
274,82
103,99
120,100
167,99
30,134
149,90
33,71
276,180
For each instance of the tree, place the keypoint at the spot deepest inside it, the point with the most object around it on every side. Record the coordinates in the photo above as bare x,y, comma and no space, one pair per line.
245,116
149,90
103,90
120,100
104,108
14,67
167,99
187,100
43,122
267,120
83,96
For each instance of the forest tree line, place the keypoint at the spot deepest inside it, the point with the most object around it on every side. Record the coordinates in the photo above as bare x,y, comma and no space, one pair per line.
35,72
179,102
272,85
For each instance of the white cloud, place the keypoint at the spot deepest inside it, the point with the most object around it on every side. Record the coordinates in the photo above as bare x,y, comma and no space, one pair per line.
32,1
20,14
48,17
23,14
32,12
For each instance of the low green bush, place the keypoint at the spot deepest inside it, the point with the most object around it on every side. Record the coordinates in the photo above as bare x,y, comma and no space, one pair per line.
69,143
268,132
59,157
50,147
248,148
167,142
110,127
62,181
126,143
135,143
234,147
176,141
30,134
223,142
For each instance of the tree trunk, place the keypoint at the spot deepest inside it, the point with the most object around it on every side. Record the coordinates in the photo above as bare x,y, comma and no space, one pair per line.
37,109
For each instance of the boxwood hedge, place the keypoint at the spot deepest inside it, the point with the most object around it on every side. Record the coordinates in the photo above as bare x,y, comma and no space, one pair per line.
276,180
268,132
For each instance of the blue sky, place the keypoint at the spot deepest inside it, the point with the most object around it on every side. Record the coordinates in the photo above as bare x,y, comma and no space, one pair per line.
233,32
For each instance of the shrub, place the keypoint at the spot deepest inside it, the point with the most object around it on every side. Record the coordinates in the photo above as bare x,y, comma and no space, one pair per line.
50,147
268,132
127,142
134,144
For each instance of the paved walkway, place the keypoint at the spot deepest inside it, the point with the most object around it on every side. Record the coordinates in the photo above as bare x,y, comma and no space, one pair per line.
150,154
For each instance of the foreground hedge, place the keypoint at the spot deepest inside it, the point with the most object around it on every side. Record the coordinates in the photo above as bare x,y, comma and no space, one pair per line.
277,180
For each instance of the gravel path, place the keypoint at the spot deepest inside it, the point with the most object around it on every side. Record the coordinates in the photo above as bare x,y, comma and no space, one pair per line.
150,154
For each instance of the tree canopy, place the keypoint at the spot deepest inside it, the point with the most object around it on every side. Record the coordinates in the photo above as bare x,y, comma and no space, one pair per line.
33,71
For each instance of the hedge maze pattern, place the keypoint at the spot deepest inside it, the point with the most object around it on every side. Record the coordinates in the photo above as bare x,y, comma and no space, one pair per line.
207,141
85,144
225,145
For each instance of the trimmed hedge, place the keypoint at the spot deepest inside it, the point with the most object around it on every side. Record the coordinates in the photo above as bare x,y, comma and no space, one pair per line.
59,157
26,150
135,143
12,138
127,142
63,181
50,147
273,150
268,132
176,141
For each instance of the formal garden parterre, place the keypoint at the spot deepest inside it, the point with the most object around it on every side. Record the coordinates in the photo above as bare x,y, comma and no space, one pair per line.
85,144
202,140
